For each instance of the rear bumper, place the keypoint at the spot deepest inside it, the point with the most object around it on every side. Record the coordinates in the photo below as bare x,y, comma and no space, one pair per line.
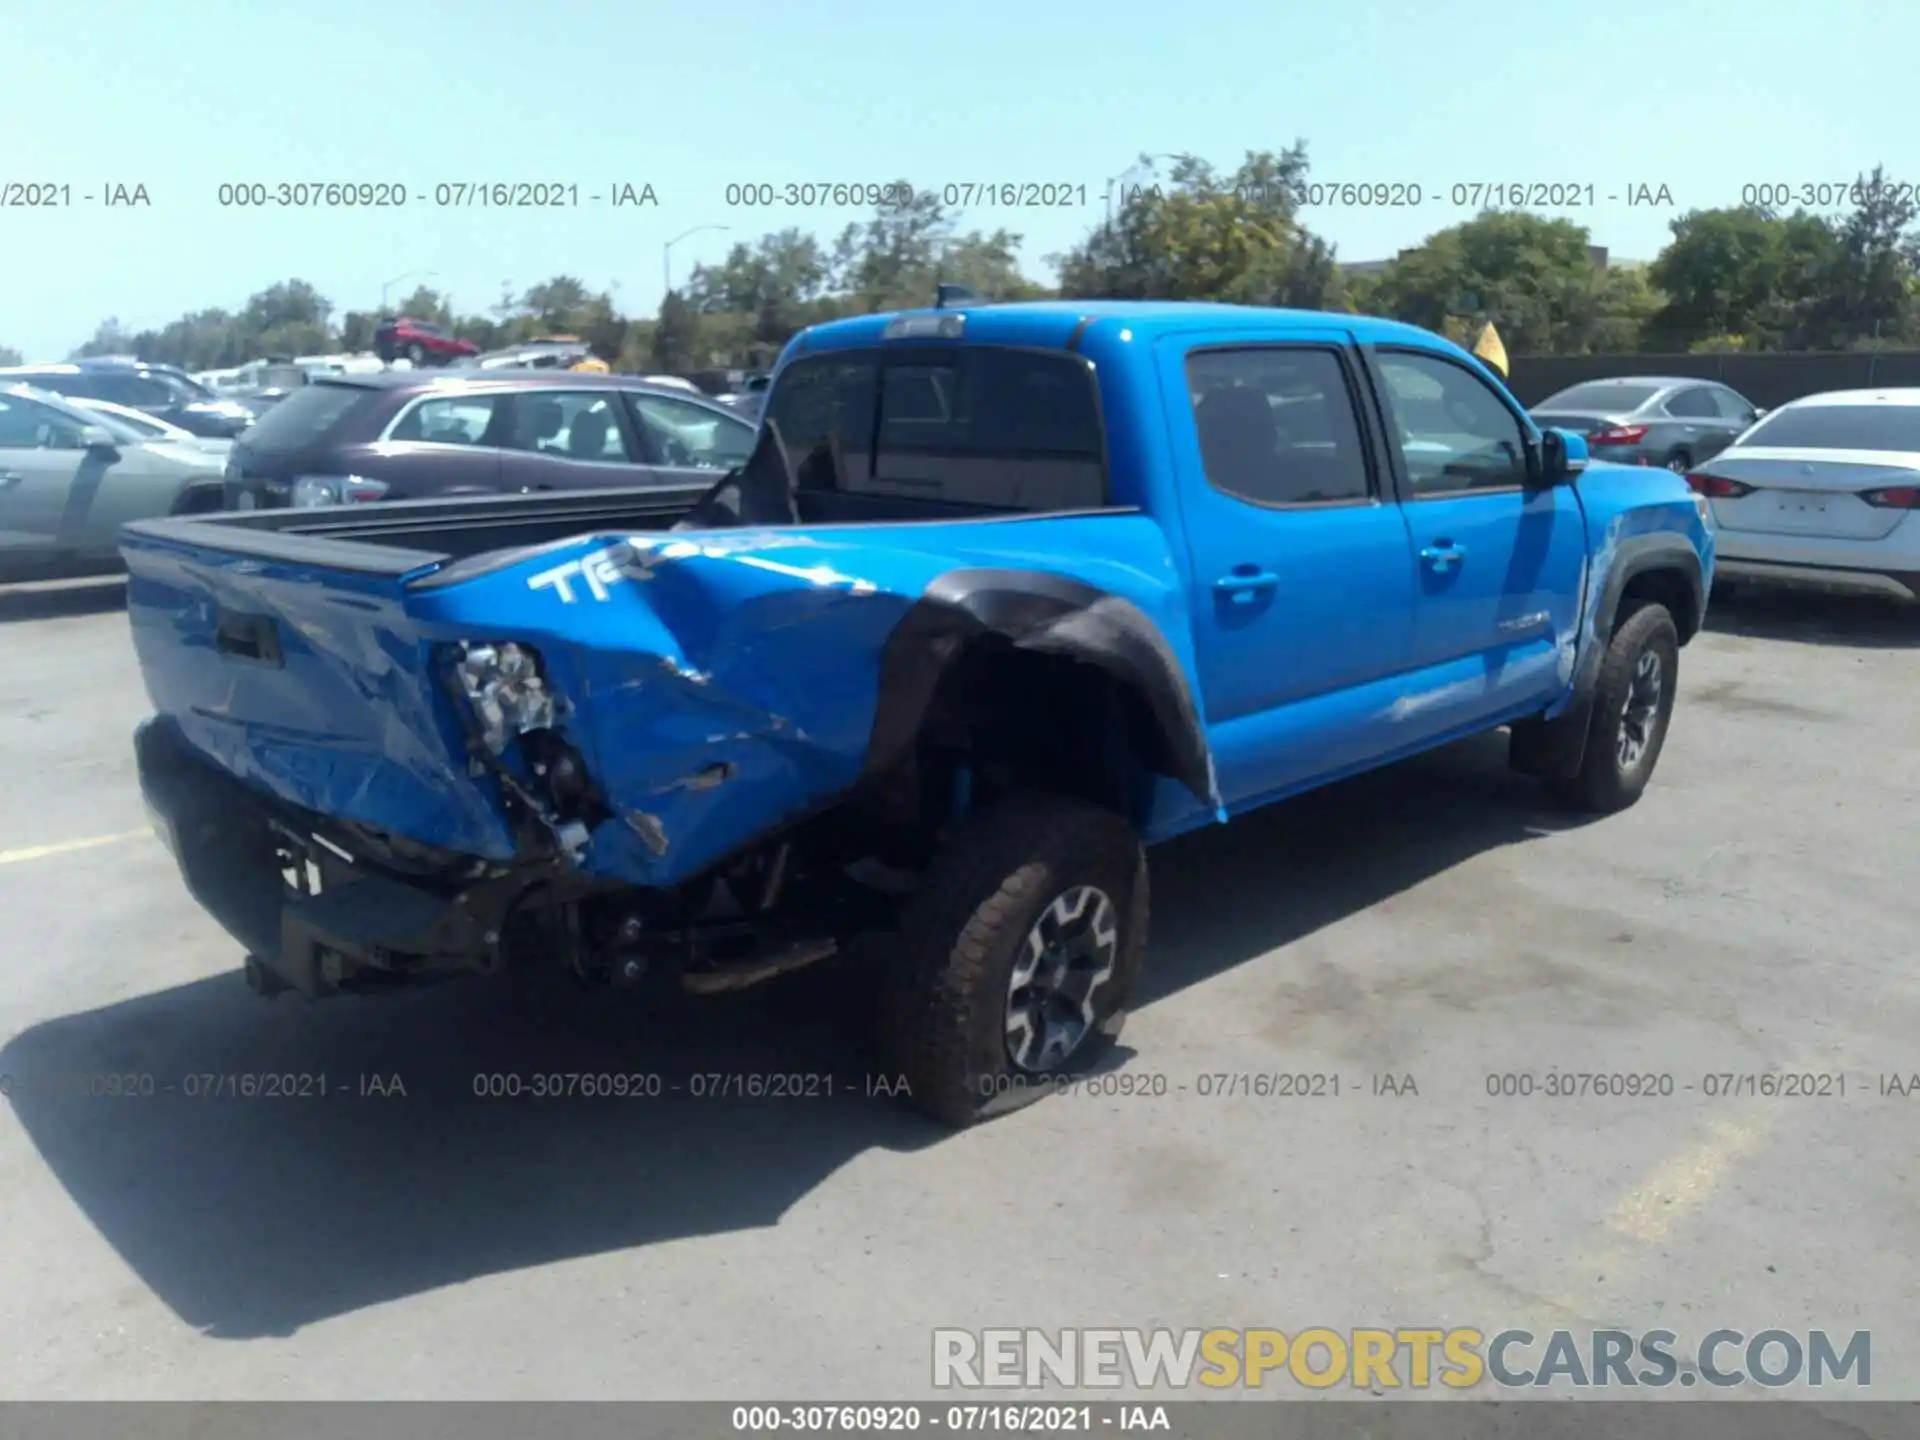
1889,565
320,919
1897,585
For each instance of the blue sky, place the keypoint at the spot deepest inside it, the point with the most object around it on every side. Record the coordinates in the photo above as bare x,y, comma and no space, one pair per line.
183,95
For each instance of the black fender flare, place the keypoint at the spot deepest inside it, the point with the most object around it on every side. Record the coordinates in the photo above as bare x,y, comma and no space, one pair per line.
1632,557
1044,614
1559,747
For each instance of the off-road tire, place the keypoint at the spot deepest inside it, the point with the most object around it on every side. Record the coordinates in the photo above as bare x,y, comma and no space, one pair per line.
1603,785
943,1001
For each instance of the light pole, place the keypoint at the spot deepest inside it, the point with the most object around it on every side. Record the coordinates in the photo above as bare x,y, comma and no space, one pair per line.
389,284
666,256
1147,160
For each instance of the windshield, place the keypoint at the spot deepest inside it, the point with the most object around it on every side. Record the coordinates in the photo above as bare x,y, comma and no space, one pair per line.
1839,427
1605,396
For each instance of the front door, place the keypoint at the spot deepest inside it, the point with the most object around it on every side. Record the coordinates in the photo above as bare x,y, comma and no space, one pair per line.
1300,574
1501,563
571,440
40,462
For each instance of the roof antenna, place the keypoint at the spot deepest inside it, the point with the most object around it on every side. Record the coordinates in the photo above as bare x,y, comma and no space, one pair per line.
947,297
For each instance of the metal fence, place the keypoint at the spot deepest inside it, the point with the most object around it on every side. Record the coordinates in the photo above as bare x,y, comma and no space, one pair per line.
1767,380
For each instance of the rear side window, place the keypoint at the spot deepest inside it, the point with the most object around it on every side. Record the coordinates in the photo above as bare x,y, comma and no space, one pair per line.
466,419
1839,427
976,426
305,416
1277,426
1695,404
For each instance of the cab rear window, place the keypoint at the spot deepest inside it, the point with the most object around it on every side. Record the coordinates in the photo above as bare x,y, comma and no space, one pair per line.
976,426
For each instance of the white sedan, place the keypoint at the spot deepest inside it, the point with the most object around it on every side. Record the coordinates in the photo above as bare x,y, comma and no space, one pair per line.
1823,492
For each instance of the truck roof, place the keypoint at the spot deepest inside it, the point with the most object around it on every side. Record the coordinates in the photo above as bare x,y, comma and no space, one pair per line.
1055,322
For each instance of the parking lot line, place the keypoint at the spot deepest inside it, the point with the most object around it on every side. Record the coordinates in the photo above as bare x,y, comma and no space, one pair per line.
63,847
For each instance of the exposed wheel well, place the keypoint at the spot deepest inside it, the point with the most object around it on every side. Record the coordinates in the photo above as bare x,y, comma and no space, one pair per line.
1665,586
1002,719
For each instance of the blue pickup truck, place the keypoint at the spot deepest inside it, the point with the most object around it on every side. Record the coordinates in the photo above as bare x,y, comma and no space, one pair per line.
1004,594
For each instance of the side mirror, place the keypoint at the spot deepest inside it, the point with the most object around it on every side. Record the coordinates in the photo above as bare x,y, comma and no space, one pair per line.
1759,413
1563,455
98,439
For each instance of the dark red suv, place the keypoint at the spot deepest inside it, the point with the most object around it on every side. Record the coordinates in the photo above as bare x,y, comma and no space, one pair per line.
418,342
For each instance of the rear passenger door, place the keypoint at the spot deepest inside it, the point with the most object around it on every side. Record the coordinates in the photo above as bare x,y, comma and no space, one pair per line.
571,440
1698,428
1301,579
1736,415
1501,563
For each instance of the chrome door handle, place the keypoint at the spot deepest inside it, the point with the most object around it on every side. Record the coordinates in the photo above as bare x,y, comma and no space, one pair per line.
1443,556
11,477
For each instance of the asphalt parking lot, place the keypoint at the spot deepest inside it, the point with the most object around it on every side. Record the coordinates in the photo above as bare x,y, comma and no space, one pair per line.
1758,911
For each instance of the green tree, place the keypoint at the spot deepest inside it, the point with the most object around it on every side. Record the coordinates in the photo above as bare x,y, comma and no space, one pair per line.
890,262
1868,284
110,337
1745,272
676,341
1534,278
1205,234
426,303
356,330
555,306
778,276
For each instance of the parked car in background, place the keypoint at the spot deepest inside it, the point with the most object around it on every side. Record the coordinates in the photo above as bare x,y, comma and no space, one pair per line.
536,355
1651,419
152,427
70,478
402,435
418,341
273,382
1823,492
160,390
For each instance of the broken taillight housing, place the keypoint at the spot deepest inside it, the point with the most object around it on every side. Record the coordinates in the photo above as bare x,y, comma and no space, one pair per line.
505,690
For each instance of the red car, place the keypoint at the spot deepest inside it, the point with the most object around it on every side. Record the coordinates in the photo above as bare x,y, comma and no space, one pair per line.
418,342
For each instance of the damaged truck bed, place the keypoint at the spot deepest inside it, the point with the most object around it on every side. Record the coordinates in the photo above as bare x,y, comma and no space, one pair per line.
1003,595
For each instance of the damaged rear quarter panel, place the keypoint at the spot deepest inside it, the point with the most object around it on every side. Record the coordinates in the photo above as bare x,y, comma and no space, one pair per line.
755,655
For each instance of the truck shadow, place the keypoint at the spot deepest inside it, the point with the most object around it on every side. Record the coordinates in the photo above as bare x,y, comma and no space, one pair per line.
256,1216
1812,617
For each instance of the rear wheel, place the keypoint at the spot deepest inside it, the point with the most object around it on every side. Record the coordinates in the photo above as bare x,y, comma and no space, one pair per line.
1632,705
1679,462
1019,956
